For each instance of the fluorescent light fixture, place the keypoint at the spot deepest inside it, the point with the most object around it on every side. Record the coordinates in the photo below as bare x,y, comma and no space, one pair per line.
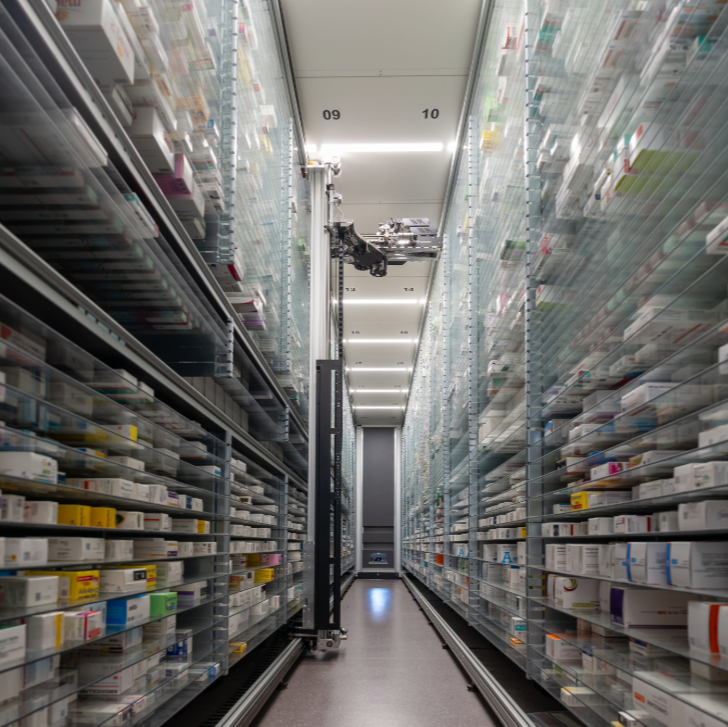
379,391
359,368
383,301
379,407
452,146
338,149
380,340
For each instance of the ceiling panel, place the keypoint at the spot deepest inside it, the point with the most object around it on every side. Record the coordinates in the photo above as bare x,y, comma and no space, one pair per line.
402,288
401,177
384,109
380,34
358,315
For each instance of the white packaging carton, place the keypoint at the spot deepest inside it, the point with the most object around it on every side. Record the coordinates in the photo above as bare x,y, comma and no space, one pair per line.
13,508
75,549
705,515
704,626
697,565
40,512
157,521
119,550
638,608
600,525
124,580
13,642
98,36
29,466
646,563
667,521
129,520
25,552
577,593
22,591
561,650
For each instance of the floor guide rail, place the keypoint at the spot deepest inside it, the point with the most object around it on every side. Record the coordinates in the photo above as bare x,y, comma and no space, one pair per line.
498,700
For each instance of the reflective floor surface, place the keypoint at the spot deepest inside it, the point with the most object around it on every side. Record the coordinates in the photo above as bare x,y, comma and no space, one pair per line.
391,672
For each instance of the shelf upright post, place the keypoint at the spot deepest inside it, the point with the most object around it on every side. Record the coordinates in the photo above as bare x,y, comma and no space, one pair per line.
282,361
446,403
287,579
534,426
473,348
222,559
229,129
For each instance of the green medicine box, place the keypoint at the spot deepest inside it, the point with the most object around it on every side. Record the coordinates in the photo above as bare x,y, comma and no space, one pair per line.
162,604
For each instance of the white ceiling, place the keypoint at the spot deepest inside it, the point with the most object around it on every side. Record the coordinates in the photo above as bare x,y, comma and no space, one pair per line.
380,64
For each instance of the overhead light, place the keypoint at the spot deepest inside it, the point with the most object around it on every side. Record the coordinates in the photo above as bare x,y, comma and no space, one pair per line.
380,340
338,149
379,391
359,368
379,407
383,301
452,146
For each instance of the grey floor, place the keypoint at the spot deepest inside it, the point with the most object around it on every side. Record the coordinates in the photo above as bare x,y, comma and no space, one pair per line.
391,672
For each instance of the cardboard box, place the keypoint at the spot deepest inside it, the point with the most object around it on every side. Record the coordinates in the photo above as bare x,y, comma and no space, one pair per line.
705,515
82,625
125,580
697,565
704,626
73,585
25,552
191,593
639,608
103,517
582,559
152,141
114,486
128,611
75,549
44,631
576,593
120,642
667,521
157,521
129,520
155,548
13,643
131,462
646,563
40,512
162,604
560,650
13,508
24,591
644,393
97,34
74,515
29,466
600,525
119,549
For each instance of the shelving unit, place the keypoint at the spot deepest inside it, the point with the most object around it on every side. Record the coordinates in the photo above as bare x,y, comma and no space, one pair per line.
574,344
153,352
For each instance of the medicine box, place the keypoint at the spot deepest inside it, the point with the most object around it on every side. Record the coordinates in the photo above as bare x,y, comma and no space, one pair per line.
124,580
22,591
646,563
103,517
637,608
44,631
24,552
29,466
702,564
13,643
73,585
74,549
96,33
40,512
577,593
119,549
703,626
114,486
82,625
705,515
129,520
128,611
79,515
13,508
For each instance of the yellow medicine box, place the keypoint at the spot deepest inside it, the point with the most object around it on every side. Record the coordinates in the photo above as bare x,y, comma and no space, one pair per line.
103,517
74,515
253,559
579,500
264,575
73,585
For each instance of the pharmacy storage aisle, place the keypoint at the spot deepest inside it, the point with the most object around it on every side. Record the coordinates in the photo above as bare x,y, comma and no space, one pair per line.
392,671
570,381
